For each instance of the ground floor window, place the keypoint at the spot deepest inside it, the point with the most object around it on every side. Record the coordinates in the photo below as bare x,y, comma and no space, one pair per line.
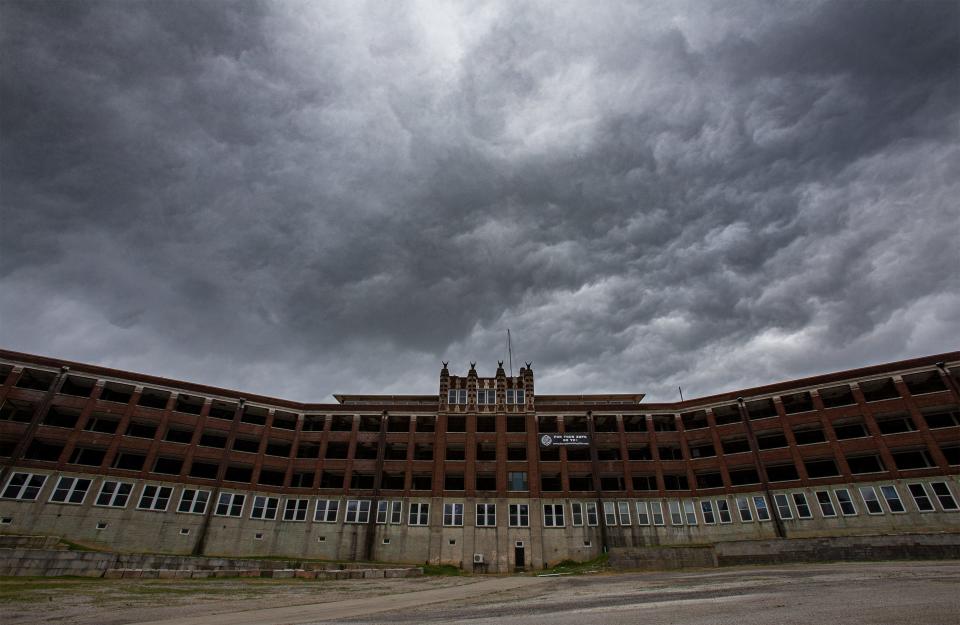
826,504
553,515
419,514
760,503
783,506
576,513
892,497
847,508
743,509
643,513
295,509
723,511
623,512
944,496
24,486
358,511
70,490
230,504
609,513
706,509
593,519
486,515
265,508
452,514
519,515
656,511
193,501
870,500
155,498
114,494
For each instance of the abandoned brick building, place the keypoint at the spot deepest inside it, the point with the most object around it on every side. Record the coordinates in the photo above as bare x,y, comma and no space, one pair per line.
486,474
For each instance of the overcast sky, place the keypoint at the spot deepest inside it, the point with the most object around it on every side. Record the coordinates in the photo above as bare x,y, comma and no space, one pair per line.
302,198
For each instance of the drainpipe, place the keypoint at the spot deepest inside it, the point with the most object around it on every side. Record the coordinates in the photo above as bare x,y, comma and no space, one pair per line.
370,536
201,542
761,470
595,468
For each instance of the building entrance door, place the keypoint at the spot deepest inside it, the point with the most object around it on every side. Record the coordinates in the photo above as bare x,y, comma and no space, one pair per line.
518,558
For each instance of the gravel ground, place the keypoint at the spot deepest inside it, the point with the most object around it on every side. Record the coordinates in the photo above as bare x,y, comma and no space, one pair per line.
897,593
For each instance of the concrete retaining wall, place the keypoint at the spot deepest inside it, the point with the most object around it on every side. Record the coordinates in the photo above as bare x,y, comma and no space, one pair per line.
663,558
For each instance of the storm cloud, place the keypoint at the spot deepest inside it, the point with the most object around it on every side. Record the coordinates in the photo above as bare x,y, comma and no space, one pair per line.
301,198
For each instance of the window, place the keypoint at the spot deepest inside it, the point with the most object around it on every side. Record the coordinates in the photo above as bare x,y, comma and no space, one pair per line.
326,510
743,509
155,498
803,508
519,515
517,480
486,515
593,519
944,496
656,511
295,510
847,508
515,396
870,500
763,512
486,396
576,513
675,517
706,509
70,490
553,515
690,512
24,486
920,497
826,504
609,513
265,508
419,514
453,514
396,512
723,511
892,497
783,506
193,501
230,504
382,509
457,396
643,513
623,512
358,511
114,494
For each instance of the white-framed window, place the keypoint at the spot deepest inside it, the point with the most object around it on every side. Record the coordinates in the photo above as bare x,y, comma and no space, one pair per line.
760,503
457,396
847,508
892,497
230,504
656,511
265,508
676,518
295,509
114,494
453,514
609,513
643,513
944,496
155,498
486,396
743,509
396,512
826,504
486,515
593,519
553,515
576,513
623,512
71,490
24,486
515,396
193,501
690,511
783,506
357,511
803,508
706,509
326,510
870,500
723,511
419,514
920,497
519,515
383,511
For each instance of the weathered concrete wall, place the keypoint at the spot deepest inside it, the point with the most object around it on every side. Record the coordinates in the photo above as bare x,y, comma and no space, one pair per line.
664,558
895,547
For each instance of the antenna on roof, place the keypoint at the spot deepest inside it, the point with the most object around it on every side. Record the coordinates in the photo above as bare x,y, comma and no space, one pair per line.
681,393
510,351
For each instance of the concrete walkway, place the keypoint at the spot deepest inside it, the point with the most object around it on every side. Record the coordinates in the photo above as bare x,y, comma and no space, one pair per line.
333,610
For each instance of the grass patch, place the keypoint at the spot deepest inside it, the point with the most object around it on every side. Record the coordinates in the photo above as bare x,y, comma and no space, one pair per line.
441,569
572,567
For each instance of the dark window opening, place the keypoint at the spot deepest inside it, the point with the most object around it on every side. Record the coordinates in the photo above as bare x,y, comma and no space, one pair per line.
581,482
865,464
426,424
422,482
575,424
168,466
455,452
342,423
423,452
314,423
547,424
702,450
639,453
361,481
895,423
102,423
392,481
87,457
516,452
141,430
551,482
724,415
486,452
119,393
486,424
798,402
278,448
644,482
337,450
365,451
453,481
761,409
694,420
235,473
302,479
129,461
486,481
16,410
578,454
61,417
821,468
456,423
771,440
809,435
254,415
951,453
398,423
670,452
369,423
288,421
188,404
271,477
852,428
308,450
912,459
782,473
605,423
664,423
735,445
329,479
153,398
634,423
204,470
607,453
213,439
712,479
516,424
878,390
675,482
175,435
924,382
78,387
248,445
549,454
943,417
395,451
837,396
35,379
741,477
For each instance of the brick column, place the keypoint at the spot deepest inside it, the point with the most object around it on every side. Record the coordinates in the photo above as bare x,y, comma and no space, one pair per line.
791,439
718,448
921,424
832,441
867,412
153,450
117,438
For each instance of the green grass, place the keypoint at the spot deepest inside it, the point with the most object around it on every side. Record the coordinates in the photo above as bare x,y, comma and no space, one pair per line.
572,567
441,569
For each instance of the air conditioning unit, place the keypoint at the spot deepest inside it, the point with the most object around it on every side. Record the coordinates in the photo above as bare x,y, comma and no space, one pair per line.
478,558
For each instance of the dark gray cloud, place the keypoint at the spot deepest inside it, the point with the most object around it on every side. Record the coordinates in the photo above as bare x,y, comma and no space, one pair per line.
299,198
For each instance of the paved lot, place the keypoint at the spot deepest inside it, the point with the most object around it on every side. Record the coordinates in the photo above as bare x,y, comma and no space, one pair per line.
862,593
